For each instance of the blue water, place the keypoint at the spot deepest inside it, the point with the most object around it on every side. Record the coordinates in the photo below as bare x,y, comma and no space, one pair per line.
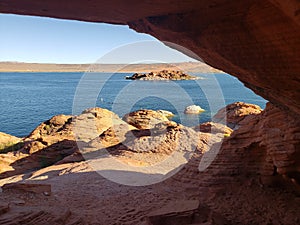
27,99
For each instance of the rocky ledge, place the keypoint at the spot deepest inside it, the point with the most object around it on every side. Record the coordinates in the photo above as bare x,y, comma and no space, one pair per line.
162,75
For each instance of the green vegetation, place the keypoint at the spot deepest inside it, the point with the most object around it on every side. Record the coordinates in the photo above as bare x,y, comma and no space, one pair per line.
10,146
48,128
226,135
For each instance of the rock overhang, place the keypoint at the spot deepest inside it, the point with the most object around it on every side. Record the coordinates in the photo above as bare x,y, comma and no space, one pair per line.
257,41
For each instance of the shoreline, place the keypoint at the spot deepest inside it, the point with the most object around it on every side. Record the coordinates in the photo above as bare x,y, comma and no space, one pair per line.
121,68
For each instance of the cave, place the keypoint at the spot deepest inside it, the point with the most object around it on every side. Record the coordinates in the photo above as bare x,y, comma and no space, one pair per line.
257,41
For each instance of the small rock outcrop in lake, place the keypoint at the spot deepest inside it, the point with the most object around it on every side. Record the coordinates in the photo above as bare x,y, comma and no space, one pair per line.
162,75
193,109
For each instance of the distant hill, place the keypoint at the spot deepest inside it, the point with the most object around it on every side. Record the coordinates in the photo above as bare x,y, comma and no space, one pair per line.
45,67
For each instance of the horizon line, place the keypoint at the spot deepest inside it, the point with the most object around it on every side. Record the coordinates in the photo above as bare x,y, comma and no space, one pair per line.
101,63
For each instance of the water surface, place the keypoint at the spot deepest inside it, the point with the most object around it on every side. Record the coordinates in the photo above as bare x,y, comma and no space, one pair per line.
27,99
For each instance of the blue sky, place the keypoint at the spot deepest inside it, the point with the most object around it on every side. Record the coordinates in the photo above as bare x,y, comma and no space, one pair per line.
47,40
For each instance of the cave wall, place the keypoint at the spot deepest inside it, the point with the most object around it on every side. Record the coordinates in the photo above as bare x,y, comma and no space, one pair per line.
265,146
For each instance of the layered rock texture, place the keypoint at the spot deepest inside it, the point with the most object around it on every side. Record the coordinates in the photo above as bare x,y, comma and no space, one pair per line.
267,146
233,115
54,140
146,118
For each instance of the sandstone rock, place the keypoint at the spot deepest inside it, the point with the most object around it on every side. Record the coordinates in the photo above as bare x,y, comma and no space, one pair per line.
233,115
185,212
83,127
59,120
264,146
7,160
113,136
211,127
52,126
164,126
4,208
150,146
193,109
75,157
9,143
145,118
180,212
27,187
101,113
162,75
166,113
92,122
4,138
56,139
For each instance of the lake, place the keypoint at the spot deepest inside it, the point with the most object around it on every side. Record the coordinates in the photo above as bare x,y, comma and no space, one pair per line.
27,99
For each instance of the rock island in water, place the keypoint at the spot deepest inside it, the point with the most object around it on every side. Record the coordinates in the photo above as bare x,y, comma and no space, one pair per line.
162,75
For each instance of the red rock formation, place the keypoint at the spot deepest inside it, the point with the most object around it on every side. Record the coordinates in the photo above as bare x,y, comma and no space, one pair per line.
214,128
145,118
9,142
55,139
233,115
265,147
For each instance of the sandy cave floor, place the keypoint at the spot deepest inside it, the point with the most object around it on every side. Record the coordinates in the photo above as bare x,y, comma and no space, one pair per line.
82,196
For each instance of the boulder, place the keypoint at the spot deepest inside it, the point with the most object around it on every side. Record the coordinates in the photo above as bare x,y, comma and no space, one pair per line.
149,146
55,139
145,118
59,124
93,122
112,136
193,109
234,115
214,128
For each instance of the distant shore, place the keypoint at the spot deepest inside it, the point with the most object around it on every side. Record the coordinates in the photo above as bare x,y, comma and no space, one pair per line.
129,68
